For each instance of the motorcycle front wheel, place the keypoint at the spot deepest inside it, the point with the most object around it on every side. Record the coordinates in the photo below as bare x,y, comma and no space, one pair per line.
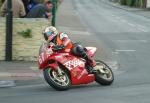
58,82
104,75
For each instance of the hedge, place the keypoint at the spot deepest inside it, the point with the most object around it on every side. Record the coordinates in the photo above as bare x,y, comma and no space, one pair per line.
136,3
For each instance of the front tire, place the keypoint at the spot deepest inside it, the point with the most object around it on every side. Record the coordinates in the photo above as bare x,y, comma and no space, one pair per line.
104,75
57,82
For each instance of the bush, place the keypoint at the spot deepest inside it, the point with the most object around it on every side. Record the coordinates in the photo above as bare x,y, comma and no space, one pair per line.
130,2
26,33
123,2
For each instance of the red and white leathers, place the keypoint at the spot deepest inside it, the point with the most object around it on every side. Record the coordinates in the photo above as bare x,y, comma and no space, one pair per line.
63,39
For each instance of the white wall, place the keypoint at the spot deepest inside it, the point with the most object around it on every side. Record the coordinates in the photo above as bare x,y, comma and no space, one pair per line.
148,4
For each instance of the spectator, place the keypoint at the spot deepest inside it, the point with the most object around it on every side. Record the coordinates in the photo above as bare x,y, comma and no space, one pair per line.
2,1
17,7
41,10
31,4
26,3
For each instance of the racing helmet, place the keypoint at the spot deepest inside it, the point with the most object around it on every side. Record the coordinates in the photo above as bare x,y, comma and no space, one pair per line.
49,33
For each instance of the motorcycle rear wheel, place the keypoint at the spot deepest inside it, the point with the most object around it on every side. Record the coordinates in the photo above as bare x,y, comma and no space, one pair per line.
57,82
104,76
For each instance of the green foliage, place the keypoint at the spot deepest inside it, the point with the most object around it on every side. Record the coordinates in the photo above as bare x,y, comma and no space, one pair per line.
130,2
123,2
142,3
26,33
136,3
0,6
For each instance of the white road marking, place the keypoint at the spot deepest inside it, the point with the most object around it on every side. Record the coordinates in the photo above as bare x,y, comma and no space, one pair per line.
139,27
144,30
115,53
125,50
133,25
133,41
7,83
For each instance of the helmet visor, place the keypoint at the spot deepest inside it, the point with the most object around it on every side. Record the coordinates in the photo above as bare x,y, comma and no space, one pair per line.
49,33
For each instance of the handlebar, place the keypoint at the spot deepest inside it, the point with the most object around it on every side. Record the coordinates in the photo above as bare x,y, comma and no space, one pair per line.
54,47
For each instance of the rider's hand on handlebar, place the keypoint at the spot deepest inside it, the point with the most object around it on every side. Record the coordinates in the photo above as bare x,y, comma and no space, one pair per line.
58,47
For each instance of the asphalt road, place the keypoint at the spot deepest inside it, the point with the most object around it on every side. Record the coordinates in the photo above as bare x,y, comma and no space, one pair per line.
127,37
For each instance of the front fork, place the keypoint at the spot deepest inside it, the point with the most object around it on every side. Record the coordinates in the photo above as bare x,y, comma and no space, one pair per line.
56,67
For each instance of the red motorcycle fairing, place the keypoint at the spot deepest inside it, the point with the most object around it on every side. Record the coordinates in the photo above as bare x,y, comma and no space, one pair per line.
81,76
44,58
75,65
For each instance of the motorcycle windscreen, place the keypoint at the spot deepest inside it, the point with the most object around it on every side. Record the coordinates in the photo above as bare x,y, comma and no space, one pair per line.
91,51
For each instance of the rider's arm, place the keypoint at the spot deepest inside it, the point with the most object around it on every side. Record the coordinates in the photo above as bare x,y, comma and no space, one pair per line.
65,41
64,37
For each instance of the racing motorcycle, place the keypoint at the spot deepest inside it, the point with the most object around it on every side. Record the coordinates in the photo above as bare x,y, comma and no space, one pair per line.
61,70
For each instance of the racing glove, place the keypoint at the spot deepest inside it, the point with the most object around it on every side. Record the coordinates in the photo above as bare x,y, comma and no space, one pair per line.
58,47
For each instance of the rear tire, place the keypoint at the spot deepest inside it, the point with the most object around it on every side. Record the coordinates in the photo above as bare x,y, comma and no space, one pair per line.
106,77
57,82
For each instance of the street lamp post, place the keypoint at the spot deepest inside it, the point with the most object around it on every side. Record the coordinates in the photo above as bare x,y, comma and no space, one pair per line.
9,20
54,12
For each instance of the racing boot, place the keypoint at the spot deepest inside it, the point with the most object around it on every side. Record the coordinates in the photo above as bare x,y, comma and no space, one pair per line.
90,63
